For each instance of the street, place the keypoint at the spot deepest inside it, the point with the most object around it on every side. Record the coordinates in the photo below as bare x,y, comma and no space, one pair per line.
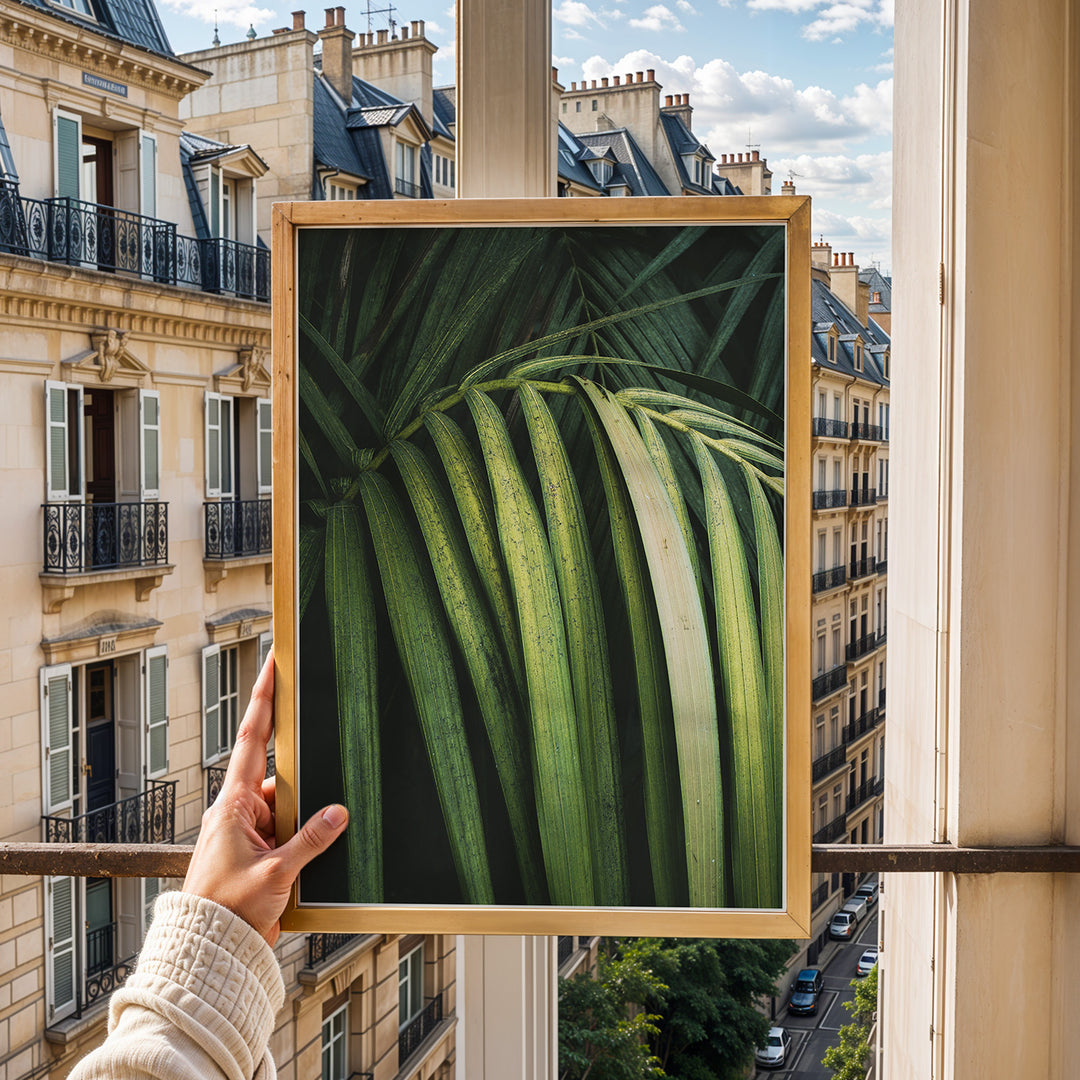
812,1035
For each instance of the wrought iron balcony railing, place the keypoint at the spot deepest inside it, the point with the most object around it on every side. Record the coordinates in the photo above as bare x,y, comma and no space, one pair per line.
828,500
881,700
108,238
566,948
867,432
863,496
861,725
146,818
829,682
104,972
861,646
418,1029
321,947
861,568
867,790
829,579
406,187
215,777
828,762
236,528
81,537
835,429
833,831
820,895
882,566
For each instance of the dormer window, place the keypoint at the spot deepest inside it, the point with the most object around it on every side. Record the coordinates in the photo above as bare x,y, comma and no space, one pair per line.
832,349
405,174
335,189
858,356
875,298
80,7
601,170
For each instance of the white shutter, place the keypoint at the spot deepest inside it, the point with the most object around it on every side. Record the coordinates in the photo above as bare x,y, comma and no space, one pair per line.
56,715
227,447
60,440
211,698
265,447
60,960
151,888
156,682
212,444
266,639
150,444
148,174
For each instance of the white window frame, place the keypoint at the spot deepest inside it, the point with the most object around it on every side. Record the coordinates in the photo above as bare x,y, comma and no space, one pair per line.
264,430
54,801
145,138
152,722
149,430
406,977
331,1038
266,640
210,685
223,457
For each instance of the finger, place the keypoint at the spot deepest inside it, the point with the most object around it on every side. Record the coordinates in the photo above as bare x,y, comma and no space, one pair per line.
248,764
269,791
314,837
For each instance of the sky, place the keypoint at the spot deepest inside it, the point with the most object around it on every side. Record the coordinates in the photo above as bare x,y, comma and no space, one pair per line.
808,82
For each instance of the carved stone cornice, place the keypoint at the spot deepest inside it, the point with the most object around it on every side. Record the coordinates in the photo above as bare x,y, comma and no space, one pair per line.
248,377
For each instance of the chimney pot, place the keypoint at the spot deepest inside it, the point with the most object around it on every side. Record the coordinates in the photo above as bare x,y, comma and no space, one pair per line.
339,19
740,157
419,31
638,77
650,74
757,155
629,76
404,33
298,20
615,80
603,82
382,37
667,101
573,86
329,17
594,84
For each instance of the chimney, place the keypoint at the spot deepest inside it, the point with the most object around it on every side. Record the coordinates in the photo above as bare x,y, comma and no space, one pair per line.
650,75
404,33
337,46
400,65
679,105
787,187
845,285
615,80
298,20
821,255
638,77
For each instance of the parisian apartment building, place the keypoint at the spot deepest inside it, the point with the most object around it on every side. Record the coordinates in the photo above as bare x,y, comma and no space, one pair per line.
135,195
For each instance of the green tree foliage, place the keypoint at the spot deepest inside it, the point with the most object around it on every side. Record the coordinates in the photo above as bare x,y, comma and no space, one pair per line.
692,999
851,1058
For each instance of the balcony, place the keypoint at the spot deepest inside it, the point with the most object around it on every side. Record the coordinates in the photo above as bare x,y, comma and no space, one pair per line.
98,237
406,188
829,682
867,790
859,727
861,568
829,762
321,947
237,529
881,701
866,432
104,972
863,496
829,579
832,832
215,777
882,565
829,429
861,646
829,500
820,895
146,818
83,537
418,1029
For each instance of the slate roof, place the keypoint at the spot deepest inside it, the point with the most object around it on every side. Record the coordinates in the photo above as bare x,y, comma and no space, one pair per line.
878,283
445,109
683,141
202,149
633,166
353,152
133,21
827,310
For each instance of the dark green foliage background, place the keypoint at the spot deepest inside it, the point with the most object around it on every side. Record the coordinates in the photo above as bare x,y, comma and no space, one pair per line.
537,279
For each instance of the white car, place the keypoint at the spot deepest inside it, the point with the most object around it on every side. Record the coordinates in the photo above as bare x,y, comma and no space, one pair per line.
775,1051
867,961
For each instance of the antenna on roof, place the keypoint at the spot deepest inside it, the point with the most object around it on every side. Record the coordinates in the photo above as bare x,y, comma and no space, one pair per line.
217,38
388,11
751,145
793,176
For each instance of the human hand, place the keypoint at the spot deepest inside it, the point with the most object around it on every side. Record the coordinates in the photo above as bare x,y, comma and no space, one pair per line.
236,862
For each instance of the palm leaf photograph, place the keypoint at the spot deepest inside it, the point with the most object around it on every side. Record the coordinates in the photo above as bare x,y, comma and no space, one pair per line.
539,555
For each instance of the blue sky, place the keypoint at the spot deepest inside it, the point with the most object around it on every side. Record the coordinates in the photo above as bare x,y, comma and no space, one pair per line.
809,81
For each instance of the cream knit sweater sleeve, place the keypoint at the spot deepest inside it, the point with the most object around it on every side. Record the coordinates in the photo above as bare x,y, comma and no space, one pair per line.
199,1006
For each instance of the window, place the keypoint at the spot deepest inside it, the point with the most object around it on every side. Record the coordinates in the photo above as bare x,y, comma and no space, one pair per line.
406,162
335,1044
80,7
858,356
823,811
577,106
821,474
410,985
564,106
237,444
838,407
821,540
594,104
820,654
221,699
837,647
838,800
601,170
832,349
823,401
819,736
336,190
230,204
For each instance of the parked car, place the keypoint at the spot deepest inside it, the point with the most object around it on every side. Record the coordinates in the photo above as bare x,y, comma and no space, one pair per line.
867,962
776,1049
842,926
857,907
805,992
868,890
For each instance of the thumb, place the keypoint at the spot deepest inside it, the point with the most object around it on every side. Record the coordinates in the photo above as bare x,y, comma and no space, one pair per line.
314,837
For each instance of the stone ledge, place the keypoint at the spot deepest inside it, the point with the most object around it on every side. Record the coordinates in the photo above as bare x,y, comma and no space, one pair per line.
58,589
67,1032
216,570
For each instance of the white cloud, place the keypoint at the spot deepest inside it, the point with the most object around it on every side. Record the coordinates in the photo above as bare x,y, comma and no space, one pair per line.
563,61
656,19
793,7
223,12
686,7
574,13
572,35
833,18
433,27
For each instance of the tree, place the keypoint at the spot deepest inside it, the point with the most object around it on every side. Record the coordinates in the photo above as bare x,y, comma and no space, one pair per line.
603,1030
850,1059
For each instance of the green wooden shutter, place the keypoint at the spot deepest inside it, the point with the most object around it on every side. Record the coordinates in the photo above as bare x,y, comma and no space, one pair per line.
57,481
266,449
211,689
55,683
150,444
157,711
68,155
60,972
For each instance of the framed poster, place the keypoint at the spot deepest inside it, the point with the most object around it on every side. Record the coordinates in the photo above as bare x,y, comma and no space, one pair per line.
541,607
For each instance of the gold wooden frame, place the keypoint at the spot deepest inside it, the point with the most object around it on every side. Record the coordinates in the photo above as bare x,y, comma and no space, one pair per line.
793,919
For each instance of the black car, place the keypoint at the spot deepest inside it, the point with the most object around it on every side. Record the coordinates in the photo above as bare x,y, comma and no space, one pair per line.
805,992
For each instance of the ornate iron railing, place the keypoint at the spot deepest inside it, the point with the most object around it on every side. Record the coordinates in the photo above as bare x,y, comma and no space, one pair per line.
104,973
863,567
321,947
868,432
863,496
833,831
235,528
828,500
830,681
861,646
146,818
80,537
406,187
828,762
418,1029
867,790
882,566
820,895
861,725
829,579
215,777
101,237
836,429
